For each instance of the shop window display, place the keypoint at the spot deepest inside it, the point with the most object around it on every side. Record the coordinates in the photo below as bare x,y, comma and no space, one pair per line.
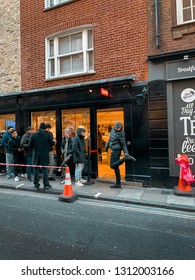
7,120
74,118
44,117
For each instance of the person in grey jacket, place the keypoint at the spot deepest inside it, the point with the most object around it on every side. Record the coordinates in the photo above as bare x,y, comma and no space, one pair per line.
79,156
117,144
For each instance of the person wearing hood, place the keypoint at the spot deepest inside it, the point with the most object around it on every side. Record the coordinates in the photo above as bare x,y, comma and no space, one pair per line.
79,155
117,144
40,143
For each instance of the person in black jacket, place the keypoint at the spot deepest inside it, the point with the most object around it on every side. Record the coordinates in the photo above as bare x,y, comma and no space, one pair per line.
79,156
9,157
117,143
40,142
27,151
17,152
2,153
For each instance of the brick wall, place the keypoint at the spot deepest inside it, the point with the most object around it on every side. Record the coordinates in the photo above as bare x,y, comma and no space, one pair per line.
10,71
119,30
172,37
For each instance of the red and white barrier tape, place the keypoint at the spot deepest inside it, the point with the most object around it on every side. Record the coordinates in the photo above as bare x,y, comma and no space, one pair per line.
30,165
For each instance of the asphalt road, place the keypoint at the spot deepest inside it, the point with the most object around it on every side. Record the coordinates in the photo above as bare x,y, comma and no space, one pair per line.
38,226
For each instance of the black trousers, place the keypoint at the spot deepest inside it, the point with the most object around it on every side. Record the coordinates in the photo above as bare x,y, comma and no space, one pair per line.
2,160
19,159
115,162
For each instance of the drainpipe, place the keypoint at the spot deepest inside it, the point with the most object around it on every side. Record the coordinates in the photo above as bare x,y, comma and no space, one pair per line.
157,24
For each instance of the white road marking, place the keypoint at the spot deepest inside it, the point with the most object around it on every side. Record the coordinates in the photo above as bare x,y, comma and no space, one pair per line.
145,210
140,210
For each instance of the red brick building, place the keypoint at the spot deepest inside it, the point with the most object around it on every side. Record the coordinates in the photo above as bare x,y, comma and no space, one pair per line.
119,39
73,53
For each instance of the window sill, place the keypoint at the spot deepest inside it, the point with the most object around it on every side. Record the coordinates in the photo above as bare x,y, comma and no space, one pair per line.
58,5
69,76
183,29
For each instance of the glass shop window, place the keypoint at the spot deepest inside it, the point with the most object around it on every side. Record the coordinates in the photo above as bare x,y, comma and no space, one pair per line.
74,118
7,120
44,117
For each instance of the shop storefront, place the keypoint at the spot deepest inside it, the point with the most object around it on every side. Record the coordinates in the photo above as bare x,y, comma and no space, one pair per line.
171,114
181,87
95,106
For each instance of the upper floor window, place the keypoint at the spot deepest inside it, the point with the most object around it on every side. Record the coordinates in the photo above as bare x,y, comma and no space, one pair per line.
185,11
69,54
51,3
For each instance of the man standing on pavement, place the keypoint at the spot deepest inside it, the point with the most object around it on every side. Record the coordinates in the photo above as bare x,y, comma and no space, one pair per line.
8,155
17,152
117,144
40,142
51,155
2,152
27,151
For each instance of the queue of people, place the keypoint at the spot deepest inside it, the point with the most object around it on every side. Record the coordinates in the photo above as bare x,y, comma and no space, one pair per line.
36,148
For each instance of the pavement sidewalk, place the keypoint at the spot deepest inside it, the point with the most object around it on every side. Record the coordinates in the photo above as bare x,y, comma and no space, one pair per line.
154,197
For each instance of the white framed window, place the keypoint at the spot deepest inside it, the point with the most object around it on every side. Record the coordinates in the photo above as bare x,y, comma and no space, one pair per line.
185,11
51,3
69,53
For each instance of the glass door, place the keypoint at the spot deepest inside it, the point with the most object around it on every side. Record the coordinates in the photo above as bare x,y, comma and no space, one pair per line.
105,122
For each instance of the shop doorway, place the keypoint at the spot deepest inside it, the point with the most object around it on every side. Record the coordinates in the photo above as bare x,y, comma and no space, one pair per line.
105,122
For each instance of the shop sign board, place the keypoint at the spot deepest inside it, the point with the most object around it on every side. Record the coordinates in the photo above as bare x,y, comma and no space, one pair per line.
183,69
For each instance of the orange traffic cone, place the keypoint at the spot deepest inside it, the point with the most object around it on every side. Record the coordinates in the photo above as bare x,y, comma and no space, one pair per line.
68,194
182,185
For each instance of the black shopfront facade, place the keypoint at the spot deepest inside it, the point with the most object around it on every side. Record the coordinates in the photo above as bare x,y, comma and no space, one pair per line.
123,98
172,121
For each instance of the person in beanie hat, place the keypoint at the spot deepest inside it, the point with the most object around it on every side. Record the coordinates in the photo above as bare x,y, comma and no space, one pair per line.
117,144
27,150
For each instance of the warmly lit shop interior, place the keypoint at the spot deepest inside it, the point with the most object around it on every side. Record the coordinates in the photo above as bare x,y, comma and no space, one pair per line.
44,117
7,120
74,118
105,121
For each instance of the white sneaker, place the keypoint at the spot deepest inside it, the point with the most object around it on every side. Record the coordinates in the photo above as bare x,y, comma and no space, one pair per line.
63,182
17,179
83,181
79,184
24,175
